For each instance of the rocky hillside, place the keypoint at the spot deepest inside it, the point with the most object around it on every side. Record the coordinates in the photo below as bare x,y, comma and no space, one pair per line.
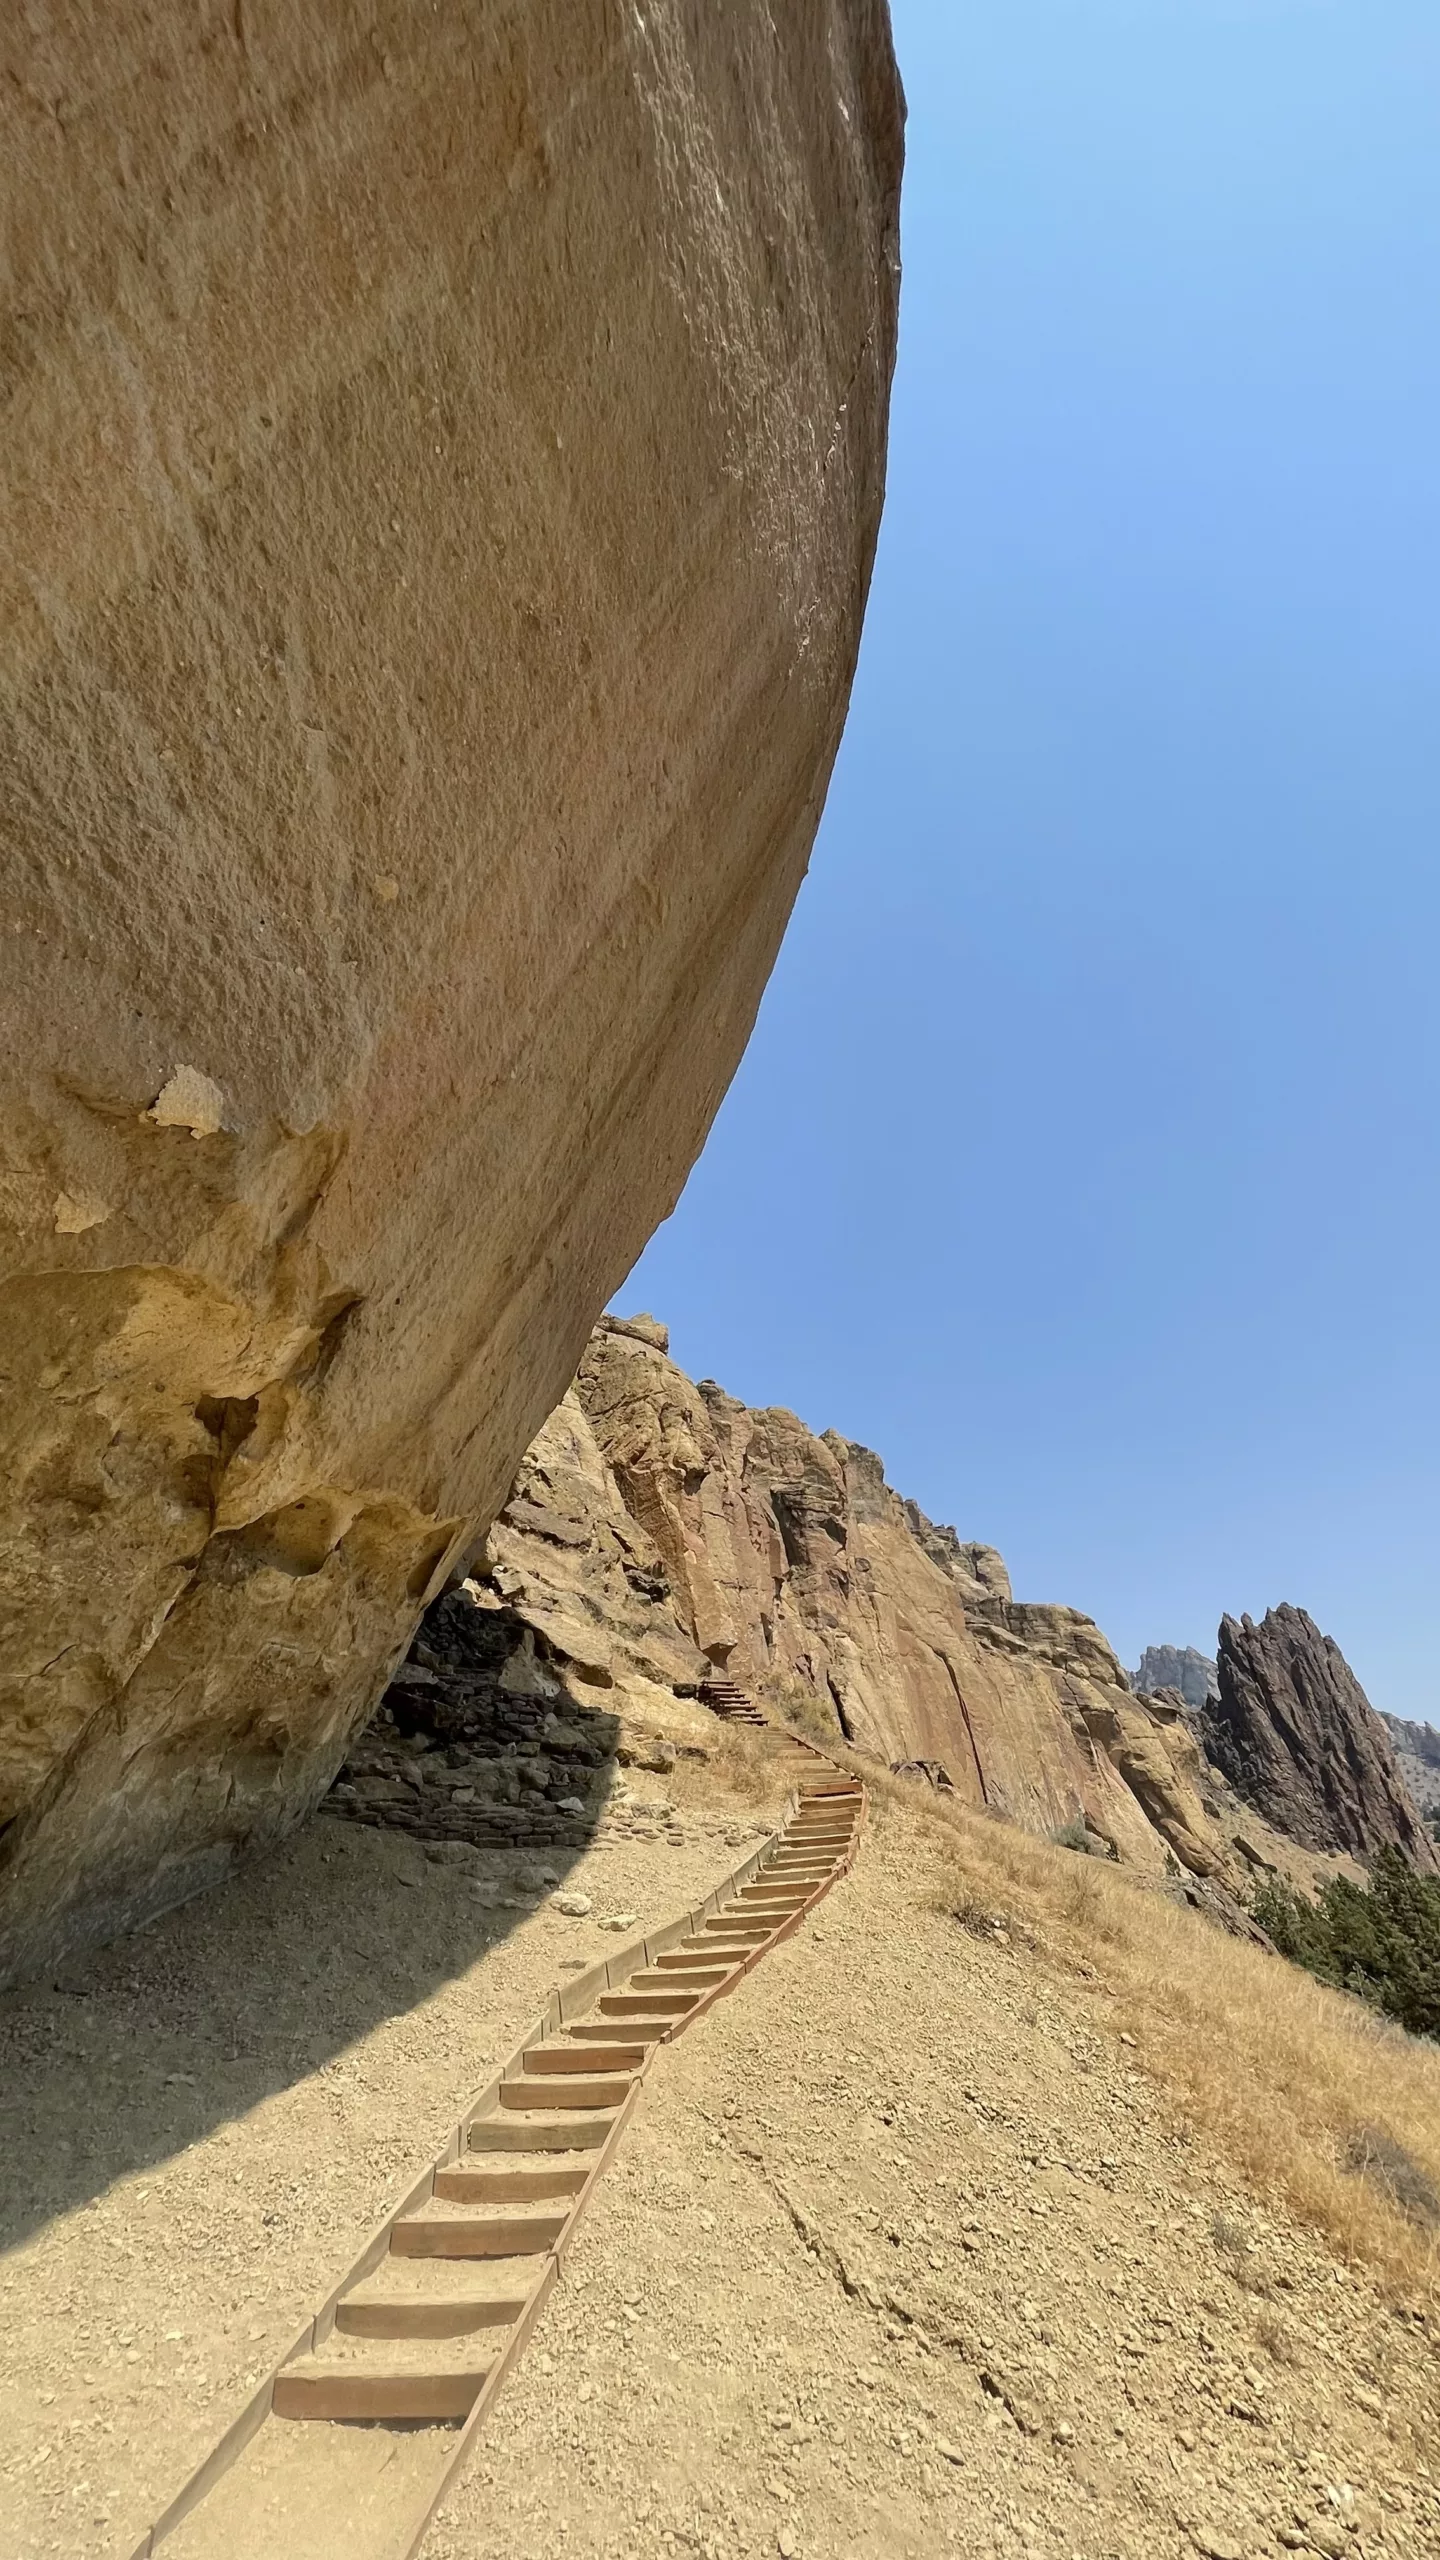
660,1533
443,460
1180,1667
1297,1738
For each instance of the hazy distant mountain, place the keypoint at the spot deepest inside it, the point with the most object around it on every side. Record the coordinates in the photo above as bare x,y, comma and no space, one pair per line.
1417,1748
1182,1667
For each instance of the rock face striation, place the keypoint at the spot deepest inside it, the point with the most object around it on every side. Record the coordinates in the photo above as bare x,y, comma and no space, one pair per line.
442,467
1182,1668
1294,1733
660,1532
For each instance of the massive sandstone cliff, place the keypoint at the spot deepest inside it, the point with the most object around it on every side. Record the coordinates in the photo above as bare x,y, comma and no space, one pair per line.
442,461
1298,1739
659,1531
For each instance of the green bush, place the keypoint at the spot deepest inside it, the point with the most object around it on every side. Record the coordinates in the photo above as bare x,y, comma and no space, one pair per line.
1381,1940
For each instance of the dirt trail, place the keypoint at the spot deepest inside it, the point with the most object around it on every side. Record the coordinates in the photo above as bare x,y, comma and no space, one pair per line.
905,2256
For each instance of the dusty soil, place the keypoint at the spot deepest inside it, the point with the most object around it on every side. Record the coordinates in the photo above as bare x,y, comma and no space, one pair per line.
937,2270
904,2252
200,2127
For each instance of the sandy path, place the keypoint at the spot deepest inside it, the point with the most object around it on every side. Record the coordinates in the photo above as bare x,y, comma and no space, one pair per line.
932,2270
198,2131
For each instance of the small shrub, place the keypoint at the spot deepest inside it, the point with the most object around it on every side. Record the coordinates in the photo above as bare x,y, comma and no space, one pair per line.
964,1904
1380,1941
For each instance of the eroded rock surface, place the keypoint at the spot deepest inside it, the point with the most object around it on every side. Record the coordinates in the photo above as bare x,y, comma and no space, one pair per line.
659,1531
1296,1736
441,473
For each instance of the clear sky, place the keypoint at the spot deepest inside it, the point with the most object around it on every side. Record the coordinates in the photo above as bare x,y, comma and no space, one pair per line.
1084,1162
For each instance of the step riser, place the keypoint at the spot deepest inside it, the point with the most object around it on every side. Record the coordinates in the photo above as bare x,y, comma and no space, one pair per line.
427,2319
464,2185
646,2004
602,2031
515,2237
438,2397
705,1980
499,2133
562,2059
557,2091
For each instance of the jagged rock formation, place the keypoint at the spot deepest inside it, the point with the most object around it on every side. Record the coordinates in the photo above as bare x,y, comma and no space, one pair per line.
1180,1667
1417,1757
1297,1738
442,468
659,1530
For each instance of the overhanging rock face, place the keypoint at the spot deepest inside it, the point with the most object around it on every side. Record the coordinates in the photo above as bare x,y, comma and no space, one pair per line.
441,472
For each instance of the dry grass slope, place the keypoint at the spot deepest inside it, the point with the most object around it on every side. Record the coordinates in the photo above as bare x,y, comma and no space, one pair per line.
1296,2083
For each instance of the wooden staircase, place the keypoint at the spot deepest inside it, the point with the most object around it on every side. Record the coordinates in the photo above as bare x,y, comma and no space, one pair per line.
724,1698
422,2331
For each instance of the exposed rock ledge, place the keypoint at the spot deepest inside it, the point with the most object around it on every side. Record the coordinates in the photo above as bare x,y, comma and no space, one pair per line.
659,1530
442,472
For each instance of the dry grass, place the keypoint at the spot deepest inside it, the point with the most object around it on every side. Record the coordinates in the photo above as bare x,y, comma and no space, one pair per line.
737,1763
1295,2083
796,1703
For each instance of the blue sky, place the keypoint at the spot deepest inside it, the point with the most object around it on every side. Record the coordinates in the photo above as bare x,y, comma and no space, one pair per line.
1084,1161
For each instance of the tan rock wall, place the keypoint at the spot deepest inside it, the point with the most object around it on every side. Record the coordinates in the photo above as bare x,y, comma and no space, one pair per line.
441,470
659,1530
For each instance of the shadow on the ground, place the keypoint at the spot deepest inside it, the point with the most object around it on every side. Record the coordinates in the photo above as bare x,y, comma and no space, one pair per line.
149,2044
213,2008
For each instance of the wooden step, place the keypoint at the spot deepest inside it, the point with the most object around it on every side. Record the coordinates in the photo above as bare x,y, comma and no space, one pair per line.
555,2090
433,2233
394,2380
581,2057
646,2004
438,2297
698,1978
540,2131
642,2030
477,2182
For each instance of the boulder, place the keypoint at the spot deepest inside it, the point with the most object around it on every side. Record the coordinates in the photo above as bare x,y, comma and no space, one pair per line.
441,474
